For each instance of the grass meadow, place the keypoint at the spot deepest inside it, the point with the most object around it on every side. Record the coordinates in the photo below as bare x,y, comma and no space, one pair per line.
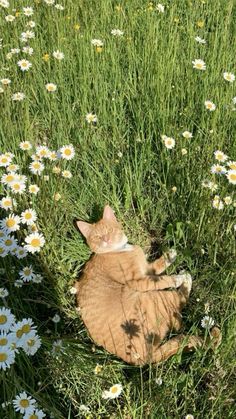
120,101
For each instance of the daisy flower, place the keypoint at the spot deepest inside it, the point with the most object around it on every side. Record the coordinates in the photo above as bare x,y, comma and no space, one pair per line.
229,77
59,7
158,381
200,40
31,343
27,273
5,82
19,96
10,223
7,319
22,328
56,318
217,168
49,2
57,347
34,189
58,55
117,32
53,155
9,242
42,151
189,416
51,87
160,8
207,322
187,134
12,168
21,252
231,176
199,64
37,279
210,106
3,251
15,50
97,369
217,203
6,203
36,167
25,145
3,294
7,357
27,50
24,65
31,24
17,186
37,414
56,170
4,3
84,409
28,11
220,156
10,18
169,142
231,164
67,152
34,242
184,151
5,160
66,174
27,35
227,200
91,117
18,283
24,403
97,42
113,392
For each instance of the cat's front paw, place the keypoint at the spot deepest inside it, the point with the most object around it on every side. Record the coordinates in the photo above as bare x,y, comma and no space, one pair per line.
170,256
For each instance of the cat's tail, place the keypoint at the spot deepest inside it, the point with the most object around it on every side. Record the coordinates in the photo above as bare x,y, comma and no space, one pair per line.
186,343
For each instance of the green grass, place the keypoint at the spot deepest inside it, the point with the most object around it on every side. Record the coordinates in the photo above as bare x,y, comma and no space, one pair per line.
141,85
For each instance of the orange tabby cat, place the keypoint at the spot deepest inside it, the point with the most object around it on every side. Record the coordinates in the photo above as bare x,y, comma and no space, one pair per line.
126,304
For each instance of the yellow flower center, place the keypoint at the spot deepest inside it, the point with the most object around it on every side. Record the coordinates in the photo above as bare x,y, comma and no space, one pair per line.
3,319
28,216
27,271
3,356
19,333
7,202
16,186
24,403
3,341
36,165
114,389
26,328
42,153
33,416
31,342
8,242
24,64
1,250
35,242
232,176
67,151
50,88
4,160
9,178
199,65
10,222
232,166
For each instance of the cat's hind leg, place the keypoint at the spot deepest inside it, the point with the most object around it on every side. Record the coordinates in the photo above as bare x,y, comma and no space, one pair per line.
161,264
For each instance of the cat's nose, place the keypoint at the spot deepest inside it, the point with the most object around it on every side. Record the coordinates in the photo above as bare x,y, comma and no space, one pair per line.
106,238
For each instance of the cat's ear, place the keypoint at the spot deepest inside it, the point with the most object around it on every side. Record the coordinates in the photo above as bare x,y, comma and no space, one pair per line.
84,228
108,214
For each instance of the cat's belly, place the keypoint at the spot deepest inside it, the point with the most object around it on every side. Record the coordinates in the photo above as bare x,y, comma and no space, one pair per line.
126,323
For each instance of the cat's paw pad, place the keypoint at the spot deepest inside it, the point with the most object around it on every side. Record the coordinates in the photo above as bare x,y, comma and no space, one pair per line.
171,255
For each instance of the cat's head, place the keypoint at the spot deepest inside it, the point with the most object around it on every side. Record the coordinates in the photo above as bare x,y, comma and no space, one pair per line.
104,236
